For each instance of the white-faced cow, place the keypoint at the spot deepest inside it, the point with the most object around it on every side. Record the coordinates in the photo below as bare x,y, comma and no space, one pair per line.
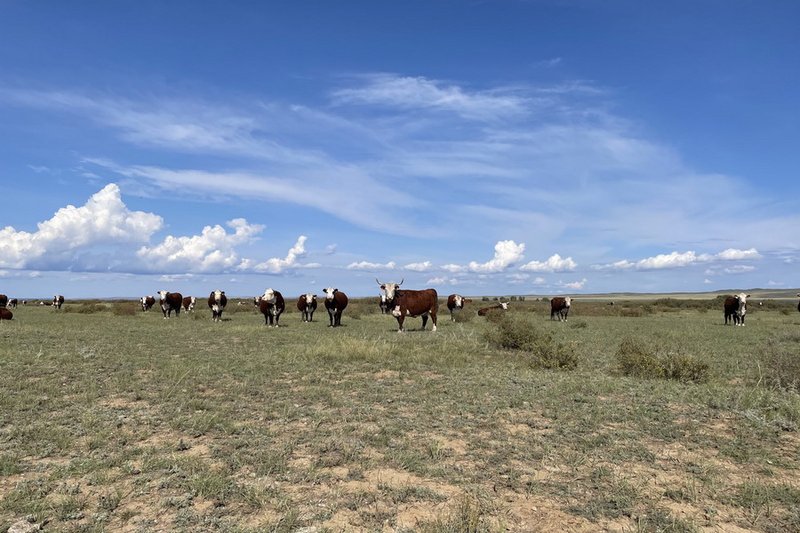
170,301
12,303
307,304
5,314
188,303
502,306
3,300
455,303
385,306
735,308
217,302
407,303
559,307
271,305
147,302
335,303
58,301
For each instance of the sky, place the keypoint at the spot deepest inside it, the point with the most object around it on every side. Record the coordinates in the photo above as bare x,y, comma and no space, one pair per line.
477,147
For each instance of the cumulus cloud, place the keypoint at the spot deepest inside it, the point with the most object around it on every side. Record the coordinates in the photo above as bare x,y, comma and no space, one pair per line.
506,253
574,285
419,267
453,268
442,280
276,265
732,254
555,263
366,265
103,220
679,259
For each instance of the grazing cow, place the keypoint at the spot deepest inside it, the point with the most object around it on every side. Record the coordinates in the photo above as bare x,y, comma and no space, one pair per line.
170,301
455,303
307,304
12,303
217,302
559,307
411,303
3,300
5,314
335,303
147,302
484,311
58,301
735,308
271,305
385,305
188,303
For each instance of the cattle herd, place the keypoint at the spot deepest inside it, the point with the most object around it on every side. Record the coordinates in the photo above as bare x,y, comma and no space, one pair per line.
401,303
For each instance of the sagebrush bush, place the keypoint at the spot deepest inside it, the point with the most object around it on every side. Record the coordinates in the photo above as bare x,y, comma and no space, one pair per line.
465,315
514,332
125,309
781,364
638,359
85,308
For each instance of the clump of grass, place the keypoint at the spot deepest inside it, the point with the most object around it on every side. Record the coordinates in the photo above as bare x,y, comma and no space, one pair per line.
637,359
85,308
469,515
125,309
781,364
516,333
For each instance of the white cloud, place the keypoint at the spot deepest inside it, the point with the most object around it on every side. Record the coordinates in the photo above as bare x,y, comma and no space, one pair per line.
739,269
103,220
419,267
366,265
574,285
506,253
170,278
453,268
680,259
539,281
276,265
554,263
732,254
707,281
442,281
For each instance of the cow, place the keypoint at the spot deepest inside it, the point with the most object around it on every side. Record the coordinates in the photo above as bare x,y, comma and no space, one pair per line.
12,303
5,314
411,303
455,303
3,300
798,303
188,303
559,307
58,301
170,301
384,305
335,303
271,305
486,310
307,304
735,308
217,302
147,302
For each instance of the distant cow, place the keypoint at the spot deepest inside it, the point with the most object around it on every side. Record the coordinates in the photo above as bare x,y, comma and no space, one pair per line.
307,304
188,303
385,305
147,302
335,303
407,303
798,303
735,308
271,305
455,303
5,314
3,300
58,301
501,306
559,307
217,302
170,301
12,303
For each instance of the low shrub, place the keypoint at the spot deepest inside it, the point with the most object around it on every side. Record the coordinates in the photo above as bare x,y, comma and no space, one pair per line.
125,308
85,308
514,332
781,366
638,359
463,316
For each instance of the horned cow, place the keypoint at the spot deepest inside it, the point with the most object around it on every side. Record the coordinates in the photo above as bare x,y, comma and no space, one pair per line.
559,307
271,305
407,303
307,304
486,310
170,301
217,302
735,308
335,303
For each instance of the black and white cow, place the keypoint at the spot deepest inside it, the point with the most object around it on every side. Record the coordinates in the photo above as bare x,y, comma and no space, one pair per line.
735,308
217,302
271,305
335,303
798,303
58,301
386,307
170,301
12,303
307,304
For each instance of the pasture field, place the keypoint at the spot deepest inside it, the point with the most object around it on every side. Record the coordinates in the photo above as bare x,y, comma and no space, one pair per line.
112,419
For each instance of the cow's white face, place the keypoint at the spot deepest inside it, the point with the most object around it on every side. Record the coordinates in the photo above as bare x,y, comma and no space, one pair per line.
459,300
310,298
504,305
217,295
163,295
568,301
742,297
269,296
329,291
389,289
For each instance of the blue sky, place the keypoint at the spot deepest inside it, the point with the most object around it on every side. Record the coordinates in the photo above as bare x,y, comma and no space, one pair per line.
503,147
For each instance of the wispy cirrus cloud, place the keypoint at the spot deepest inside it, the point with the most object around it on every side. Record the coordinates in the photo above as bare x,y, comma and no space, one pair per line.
366,265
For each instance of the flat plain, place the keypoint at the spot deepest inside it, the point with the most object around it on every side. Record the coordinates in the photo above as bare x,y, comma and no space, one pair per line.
112,419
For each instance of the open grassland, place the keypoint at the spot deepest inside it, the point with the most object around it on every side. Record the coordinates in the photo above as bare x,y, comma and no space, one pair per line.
113,419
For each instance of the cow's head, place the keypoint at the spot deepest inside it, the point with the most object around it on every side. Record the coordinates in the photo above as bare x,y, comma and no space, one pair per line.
504,306
269,296
310,298
389,289
329,292
458,300
162,295
218,295
567,301
742,299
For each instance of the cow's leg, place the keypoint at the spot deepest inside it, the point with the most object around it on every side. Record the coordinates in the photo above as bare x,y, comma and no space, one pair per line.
400,323
433,319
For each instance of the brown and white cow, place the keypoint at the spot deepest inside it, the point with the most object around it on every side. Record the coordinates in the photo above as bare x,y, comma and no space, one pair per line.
217,302
559,307
271,305
188,303
502,306
3,300
5,314
12,303
407,303
147,302
335,303
307,304
58,301
455,303
735,308
170,301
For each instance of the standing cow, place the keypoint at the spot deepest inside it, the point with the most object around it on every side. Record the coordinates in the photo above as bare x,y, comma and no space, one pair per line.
58,301
12,303
147,302
407,303
170,301
307,304
5,314
735,308
559,307
3,300
188,303
217,302
335,303
385,305
271,305
455,303
502,306
798,303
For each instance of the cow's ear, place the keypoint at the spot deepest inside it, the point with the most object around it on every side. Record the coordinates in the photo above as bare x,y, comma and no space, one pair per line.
335,291
384,287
